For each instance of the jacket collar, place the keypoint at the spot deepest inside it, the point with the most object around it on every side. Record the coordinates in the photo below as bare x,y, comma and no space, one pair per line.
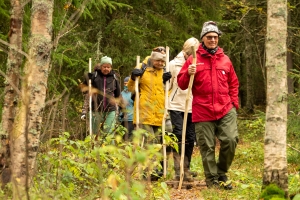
111,73
204,53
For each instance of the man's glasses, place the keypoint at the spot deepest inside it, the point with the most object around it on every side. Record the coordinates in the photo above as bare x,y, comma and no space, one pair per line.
209,37
159,49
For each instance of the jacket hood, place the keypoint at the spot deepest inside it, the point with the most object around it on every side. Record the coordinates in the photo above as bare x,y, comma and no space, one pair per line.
147,61
179,59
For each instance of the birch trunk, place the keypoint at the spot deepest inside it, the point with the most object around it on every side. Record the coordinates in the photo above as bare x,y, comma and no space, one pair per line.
14,63
27,126
275,160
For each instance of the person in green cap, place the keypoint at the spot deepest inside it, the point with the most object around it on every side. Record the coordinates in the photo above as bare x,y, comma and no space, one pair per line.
104,98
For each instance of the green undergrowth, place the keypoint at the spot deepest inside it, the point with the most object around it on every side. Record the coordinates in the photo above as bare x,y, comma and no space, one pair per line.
107,169
97,169
247,168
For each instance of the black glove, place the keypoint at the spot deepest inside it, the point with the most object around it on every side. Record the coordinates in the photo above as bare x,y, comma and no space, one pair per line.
135,73
90,75
166,76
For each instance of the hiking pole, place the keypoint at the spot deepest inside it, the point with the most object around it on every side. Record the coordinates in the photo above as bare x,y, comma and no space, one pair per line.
90,96
137,98
185,120
165,115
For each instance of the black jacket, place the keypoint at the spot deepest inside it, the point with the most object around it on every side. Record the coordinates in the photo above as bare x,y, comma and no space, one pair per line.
107,86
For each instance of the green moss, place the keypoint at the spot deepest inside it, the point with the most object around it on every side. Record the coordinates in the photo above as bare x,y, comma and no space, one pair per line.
272,192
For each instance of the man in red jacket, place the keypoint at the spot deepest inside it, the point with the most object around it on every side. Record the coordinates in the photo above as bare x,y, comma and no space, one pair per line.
215,101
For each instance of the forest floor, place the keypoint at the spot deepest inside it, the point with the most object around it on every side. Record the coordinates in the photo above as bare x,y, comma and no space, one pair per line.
200,191
186,194
188,191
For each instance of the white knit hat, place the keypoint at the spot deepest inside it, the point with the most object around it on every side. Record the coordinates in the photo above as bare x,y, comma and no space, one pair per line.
158,53
208,27
188,44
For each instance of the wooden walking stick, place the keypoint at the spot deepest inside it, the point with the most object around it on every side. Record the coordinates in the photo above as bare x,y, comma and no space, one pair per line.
137,105
137,98
165,114
90,97
185,120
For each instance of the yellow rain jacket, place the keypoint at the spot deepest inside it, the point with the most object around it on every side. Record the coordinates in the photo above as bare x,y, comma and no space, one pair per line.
151,91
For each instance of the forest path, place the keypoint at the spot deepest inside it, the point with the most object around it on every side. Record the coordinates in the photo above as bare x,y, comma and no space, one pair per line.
187,194
194,192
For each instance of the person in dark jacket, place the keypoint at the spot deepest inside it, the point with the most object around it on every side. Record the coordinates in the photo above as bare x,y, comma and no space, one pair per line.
104,98
214,106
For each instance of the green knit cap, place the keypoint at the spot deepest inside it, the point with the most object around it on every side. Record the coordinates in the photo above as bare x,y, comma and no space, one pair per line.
106,59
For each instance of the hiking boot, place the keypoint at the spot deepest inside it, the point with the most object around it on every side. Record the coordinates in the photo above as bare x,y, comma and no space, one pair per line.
193,174
213,184
187,177
224,182
156,175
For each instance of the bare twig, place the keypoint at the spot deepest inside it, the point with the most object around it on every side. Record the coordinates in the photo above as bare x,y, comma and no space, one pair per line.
293,148
10,82
25,3
53,101
14,48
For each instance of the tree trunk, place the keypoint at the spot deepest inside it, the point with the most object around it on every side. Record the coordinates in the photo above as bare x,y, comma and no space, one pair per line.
275,160
27,125
290,59
14,63
249,62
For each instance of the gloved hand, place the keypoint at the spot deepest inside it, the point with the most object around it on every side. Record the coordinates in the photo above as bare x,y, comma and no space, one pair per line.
135,73
90,75
82,117
166,76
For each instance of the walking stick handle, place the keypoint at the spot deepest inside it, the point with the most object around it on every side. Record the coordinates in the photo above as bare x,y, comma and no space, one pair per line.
185,121
165,115
137,95
90,97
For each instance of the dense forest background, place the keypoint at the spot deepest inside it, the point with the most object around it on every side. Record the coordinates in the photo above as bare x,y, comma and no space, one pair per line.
123,29
127,28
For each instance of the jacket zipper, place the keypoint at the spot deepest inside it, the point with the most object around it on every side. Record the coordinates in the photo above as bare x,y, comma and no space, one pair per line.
174,94
104,94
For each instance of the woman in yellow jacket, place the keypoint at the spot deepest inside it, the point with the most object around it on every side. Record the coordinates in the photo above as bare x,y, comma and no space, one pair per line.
151,94
151,91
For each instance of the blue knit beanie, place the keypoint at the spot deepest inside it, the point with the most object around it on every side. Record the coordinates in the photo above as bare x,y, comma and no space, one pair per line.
126,79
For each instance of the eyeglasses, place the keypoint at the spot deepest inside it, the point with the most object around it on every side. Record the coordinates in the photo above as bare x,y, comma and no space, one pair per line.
209,37
159,49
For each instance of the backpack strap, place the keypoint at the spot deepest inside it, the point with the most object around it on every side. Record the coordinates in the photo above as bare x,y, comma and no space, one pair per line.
144,66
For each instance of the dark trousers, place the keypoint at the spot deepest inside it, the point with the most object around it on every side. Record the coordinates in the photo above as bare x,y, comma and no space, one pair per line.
177,123
225,129
130,127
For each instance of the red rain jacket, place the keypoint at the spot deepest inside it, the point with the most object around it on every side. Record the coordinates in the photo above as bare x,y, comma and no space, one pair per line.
215,86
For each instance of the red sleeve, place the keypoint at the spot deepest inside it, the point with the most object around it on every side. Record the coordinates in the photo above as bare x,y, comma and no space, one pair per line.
234,88
183,78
